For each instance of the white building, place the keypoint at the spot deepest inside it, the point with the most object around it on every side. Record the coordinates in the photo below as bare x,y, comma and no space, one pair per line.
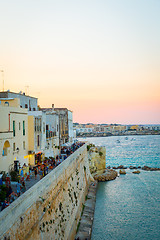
13,134
28,102
84,130
70,126
52,134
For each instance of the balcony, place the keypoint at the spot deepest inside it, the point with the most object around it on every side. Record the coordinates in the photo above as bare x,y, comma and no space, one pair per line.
50,134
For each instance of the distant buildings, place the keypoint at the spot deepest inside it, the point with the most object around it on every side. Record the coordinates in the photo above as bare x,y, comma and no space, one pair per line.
66,125
114,129
28,134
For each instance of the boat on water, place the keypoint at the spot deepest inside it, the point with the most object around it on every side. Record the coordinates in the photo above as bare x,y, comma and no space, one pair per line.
126,138
118,141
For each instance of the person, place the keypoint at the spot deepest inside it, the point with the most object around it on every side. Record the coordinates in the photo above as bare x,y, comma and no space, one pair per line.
22,175
41,174
28,176
9,191
18,188
35,173
13,197
8,181
23,187
44,171
4,205
47,169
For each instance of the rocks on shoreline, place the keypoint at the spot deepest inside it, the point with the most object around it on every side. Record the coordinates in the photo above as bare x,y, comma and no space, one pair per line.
122,171
136,172
105,175
146,168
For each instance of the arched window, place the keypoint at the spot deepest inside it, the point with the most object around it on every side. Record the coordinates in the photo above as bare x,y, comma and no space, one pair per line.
6,103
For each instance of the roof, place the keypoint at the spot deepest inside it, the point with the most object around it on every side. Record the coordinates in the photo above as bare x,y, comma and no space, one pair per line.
21,94
58,109
6,99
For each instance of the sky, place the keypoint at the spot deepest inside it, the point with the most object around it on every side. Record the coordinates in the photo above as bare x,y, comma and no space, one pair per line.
98,58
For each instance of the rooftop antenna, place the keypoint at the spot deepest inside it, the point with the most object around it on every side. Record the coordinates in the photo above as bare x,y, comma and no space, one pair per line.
27,90
2,78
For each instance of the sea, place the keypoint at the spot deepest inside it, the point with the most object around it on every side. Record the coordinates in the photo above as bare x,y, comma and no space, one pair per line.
128,208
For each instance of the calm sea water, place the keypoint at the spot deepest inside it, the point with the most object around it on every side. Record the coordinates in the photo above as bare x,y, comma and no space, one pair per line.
129,207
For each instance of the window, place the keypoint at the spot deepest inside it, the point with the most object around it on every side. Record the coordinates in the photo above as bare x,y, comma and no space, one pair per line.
23,128
19,126
43,127
26,105
14,132
38,141
14,147
35,128
37,125
7,103
24,147
34,109
40,122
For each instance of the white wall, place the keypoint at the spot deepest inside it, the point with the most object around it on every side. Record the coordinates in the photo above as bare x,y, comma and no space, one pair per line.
70,126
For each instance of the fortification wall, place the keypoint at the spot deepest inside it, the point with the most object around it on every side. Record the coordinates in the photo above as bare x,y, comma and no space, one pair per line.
97,158
51,208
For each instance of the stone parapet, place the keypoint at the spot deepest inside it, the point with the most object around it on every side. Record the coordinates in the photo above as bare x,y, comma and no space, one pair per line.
51,208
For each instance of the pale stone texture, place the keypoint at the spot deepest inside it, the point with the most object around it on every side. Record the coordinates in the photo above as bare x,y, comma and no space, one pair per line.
97,158
97,164
51,208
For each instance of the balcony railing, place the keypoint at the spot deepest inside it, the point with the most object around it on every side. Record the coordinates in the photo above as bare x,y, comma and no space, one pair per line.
50,134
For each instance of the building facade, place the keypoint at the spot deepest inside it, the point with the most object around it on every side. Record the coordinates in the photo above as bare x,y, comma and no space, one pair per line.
13,134
28,102
36,136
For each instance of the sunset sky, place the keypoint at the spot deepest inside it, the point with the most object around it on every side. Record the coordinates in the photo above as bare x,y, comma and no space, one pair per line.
98,58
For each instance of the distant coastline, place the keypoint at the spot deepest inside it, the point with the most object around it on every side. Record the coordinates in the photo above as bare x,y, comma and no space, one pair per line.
119,134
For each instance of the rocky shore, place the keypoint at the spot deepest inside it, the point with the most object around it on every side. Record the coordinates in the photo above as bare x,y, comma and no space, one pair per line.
105,175
146,168
97,164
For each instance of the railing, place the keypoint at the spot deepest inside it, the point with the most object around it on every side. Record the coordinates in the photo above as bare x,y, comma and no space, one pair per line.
50,134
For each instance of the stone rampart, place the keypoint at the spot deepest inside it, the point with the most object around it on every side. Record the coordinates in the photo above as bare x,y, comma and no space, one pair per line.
97,158
51,208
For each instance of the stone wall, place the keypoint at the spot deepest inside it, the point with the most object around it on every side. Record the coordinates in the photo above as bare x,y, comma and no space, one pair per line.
97,158
51,208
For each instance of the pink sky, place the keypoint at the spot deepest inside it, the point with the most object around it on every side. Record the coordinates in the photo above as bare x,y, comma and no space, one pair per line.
100,59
